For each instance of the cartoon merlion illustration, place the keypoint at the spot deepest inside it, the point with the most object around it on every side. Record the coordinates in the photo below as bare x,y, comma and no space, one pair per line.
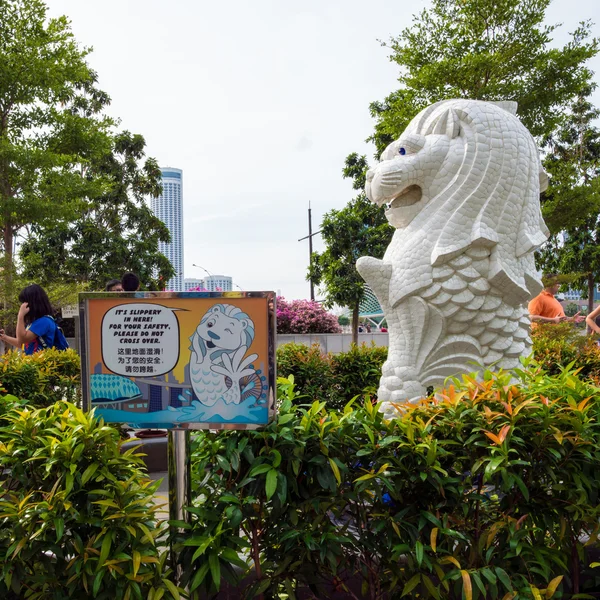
219,368
462,187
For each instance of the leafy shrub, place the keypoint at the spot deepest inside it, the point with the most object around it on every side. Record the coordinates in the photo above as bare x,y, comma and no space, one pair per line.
556,346
336,378
76,516
486,492
43,378
304,316
356,372
310,368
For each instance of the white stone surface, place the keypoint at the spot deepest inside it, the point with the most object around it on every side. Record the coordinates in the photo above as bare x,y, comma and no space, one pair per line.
462,187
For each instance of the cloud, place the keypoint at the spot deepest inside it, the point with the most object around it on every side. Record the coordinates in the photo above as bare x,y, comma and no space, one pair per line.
235,212
304,143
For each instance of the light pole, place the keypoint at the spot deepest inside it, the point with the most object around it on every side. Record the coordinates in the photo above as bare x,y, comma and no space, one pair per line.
205,270
310,250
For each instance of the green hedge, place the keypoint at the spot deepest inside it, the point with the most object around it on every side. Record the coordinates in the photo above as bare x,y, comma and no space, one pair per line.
489,492
556,346
77,516
43,378
335,378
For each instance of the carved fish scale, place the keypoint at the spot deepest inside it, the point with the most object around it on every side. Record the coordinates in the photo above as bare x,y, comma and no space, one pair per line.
472,307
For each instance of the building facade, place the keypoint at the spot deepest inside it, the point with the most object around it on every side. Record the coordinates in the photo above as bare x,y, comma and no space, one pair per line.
168,207
218,283
190,283
212,283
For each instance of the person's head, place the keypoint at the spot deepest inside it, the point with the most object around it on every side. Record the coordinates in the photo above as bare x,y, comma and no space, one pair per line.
130,282
37,299
551,283
114,285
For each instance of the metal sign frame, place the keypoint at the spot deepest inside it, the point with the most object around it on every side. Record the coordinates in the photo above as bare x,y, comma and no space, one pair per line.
252,306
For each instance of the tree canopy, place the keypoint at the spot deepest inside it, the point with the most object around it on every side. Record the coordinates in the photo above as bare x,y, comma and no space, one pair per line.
51,120
66,178
358,229
571,205
485,50
482,50
104,240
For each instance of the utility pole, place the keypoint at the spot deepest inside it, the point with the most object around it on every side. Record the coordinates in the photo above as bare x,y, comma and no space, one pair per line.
310,249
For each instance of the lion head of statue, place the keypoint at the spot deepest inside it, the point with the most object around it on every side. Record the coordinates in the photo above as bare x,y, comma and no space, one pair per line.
467,173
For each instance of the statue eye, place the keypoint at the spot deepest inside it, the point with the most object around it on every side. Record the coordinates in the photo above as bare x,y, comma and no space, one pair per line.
402,151
210,323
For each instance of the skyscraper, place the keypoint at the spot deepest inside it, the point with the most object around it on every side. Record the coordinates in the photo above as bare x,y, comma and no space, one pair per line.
168,207
218,283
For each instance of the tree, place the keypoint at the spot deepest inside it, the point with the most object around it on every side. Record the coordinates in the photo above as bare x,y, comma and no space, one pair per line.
358,229
571,205
343,320
304,316
485,50
104,241
51,122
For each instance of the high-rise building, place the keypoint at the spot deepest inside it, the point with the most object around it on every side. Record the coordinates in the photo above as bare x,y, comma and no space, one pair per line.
218,283
212,283
192,283
168,207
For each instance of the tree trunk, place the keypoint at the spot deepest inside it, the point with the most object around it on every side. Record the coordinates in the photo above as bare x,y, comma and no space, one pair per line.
355,324
591,290
7,274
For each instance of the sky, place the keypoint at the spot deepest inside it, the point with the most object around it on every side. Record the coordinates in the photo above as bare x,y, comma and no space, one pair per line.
259,102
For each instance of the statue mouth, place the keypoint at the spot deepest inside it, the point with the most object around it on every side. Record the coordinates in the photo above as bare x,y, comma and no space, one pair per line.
407,197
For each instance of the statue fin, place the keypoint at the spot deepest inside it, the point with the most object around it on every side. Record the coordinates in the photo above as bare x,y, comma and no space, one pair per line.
507,105
544,180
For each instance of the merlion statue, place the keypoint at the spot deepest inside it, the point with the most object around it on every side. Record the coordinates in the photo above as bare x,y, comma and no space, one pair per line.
462,187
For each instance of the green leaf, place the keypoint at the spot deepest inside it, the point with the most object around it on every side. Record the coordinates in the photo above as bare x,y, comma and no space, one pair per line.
419,552
199,576
336,470
231,556
259,470
215,569
431,587
411,584
59,525
223,463
105,549
172,588
89,472
137,559
504,578
98,581
271,483
522,486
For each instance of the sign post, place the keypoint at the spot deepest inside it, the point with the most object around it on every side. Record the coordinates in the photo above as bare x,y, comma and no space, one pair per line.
179,361
180,482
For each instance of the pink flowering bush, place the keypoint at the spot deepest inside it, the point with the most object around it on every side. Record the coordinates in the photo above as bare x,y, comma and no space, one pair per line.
304,316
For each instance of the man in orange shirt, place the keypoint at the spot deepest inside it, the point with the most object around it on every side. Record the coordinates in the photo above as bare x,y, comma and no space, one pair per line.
545,308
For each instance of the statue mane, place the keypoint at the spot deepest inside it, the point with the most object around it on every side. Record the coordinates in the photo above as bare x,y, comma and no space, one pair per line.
493,199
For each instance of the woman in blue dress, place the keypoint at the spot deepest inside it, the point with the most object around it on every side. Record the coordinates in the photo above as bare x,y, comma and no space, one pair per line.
36,328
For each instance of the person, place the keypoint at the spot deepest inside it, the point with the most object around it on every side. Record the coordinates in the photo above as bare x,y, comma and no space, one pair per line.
130,282
590,320
36,328
114,285
545,308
